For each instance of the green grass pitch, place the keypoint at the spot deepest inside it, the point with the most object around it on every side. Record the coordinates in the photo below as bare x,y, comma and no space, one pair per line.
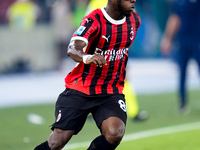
17,133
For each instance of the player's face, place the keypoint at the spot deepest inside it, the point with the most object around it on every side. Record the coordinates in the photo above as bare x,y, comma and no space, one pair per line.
126,6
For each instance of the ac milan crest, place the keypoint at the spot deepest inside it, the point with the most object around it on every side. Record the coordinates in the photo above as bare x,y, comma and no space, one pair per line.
131,34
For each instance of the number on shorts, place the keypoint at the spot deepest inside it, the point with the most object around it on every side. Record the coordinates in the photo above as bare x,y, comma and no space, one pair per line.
122,105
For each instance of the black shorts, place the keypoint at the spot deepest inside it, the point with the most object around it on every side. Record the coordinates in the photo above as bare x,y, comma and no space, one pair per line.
72,109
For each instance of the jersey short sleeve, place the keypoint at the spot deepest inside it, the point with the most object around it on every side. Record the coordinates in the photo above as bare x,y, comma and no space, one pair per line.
86,30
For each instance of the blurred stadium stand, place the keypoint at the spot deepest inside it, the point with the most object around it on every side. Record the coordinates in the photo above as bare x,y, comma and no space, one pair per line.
28,58
34,49
37,49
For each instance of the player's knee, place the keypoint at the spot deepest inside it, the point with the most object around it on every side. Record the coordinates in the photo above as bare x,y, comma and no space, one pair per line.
58,139
56,144
115,134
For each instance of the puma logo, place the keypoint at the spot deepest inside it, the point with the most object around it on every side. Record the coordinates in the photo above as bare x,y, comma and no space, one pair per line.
88,20
103,36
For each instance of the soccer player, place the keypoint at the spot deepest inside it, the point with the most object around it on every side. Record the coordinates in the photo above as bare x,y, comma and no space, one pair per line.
100,47
129,92
183,22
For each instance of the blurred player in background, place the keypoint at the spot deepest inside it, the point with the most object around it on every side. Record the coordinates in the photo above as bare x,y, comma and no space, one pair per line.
23,14
133,110
63,29
129,92
184,23
100,48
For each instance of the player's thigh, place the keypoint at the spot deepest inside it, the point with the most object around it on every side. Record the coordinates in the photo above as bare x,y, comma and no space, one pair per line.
115,107
69,114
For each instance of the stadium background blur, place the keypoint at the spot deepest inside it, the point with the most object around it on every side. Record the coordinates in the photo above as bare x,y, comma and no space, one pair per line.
33,48
21,45
33,65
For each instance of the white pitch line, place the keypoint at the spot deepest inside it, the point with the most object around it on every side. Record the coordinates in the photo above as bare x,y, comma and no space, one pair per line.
145,134
162,131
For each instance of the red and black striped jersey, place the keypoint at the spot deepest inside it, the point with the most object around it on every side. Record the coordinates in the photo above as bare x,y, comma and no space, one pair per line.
111,39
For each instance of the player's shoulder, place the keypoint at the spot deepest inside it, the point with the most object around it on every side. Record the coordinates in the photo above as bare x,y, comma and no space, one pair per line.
137,19
136,16
95,14
92,18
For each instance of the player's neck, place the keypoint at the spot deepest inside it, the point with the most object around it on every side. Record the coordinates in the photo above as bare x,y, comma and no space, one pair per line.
114,14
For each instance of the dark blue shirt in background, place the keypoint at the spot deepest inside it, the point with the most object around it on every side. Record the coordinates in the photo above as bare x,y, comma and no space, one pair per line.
189,12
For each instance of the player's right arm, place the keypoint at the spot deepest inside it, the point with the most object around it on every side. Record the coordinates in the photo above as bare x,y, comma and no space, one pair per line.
75,51
173,24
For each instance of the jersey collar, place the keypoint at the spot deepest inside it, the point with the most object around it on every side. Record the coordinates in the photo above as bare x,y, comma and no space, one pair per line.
117,22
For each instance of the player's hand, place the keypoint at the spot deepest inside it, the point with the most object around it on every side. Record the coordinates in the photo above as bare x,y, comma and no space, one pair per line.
165,46
97,59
